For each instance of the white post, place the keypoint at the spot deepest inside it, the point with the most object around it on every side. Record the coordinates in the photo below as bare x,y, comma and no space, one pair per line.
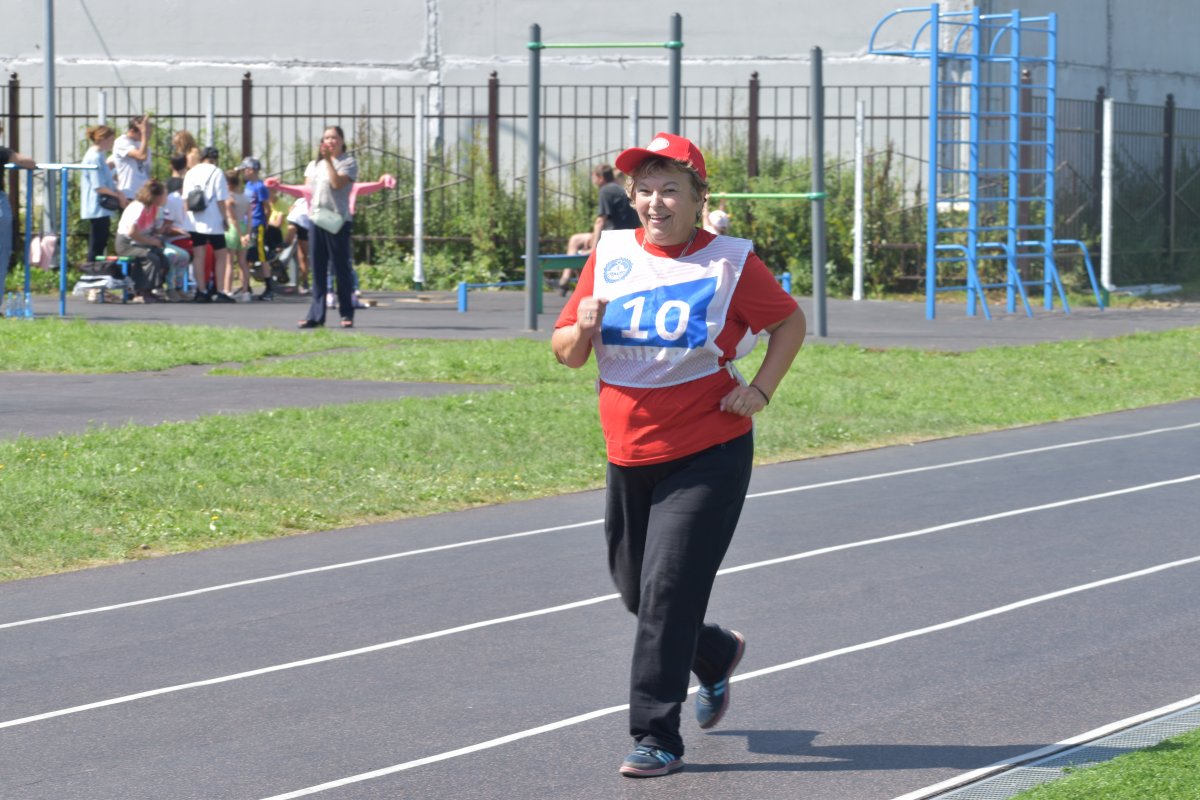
419,198
1106,178
633,122
860,113
102,102
211,117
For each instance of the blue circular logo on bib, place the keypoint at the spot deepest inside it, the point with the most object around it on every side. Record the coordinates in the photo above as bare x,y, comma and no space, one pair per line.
617,269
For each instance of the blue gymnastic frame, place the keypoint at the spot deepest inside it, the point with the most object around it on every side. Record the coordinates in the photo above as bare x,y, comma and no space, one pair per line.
64,171
992,50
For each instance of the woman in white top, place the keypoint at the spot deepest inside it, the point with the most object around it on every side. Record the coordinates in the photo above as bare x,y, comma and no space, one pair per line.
208,225
139,238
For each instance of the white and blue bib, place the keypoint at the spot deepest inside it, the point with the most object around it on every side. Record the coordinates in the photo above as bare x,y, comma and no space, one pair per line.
663,316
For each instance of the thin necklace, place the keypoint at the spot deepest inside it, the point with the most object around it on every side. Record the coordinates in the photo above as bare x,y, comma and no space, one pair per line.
686,247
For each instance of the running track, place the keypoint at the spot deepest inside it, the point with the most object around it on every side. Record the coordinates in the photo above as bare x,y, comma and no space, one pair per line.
911,613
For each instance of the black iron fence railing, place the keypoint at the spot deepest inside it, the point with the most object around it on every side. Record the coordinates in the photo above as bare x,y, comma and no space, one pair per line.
749,129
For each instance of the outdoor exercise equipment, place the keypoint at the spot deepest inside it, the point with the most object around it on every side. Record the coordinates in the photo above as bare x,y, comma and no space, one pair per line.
63,171
981,134
674,46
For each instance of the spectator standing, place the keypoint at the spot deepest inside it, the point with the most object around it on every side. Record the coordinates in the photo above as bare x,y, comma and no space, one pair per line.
237,235
99,199
131,156
614,213
185,145
8,156
330,178
208,225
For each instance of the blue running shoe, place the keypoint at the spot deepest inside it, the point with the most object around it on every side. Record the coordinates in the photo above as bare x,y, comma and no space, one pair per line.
713,698
649,762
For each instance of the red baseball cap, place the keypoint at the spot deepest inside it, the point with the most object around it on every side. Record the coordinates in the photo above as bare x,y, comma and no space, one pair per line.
667,145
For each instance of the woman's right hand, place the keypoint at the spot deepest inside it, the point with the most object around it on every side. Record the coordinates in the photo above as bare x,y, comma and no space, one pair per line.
590,314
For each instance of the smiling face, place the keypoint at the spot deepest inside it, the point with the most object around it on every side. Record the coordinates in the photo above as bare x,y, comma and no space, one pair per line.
667,204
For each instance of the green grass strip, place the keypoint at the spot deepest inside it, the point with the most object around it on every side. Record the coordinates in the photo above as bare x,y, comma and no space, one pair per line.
78,346
1168,771
116,494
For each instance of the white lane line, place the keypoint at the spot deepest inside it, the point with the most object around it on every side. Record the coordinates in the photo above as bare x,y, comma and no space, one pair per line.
1041,754
358,651
525,734
129,698
962,523
587,523
296,574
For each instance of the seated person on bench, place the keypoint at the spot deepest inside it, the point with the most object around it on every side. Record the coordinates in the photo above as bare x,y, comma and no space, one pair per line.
615,213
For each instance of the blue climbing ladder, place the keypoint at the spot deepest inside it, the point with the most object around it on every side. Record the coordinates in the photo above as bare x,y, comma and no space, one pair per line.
987,160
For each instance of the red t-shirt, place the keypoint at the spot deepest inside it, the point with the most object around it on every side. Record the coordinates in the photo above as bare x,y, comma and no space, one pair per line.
649,426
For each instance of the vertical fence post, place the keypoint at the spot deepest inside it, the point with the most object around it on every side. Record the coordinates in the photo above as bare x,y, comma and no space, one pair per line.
817,143
633,140
493,116
1169,179
752,132
14,141
247,116
210,116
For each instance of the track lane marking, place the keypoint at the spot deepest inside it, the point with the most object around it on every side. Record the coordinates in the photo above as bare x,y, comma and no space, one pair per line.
1043,753
587,523
129,698
581,718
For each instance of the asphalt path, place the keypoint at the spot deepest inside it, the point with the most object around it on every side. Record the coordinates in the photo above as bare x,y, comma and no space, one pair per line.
911,613
42,404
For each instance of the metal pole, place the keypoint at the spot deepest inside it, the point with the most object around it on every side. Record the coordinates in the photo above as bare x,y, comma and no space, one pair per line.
102,101
62,246
532,229
676,72
211,117
860,113
817,140
51,114
633,122
1106,196
419,149
931,190
247,116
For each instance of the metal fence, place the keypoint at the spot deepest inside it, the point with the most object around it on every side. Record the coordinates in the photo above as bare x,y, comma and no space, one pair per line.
747,129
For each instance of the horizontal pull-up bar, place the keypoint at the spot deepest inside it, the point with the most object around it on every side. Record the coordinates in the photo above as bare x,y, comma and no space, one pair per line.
54,166
601,45
770,195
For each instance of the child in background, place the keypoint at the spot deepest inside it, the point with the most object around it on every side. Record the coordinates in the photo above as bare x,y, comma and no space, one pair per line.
178,247
238,238
260,211
298,226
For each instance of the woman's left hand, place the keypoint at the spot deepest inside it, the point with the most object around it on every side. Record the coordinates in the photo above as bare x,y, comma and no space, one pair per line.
744,401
